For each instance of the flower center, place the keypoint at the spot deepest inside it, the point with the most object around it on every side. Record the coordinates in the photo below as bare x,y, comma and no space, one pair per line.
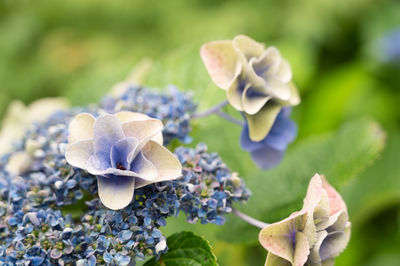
120,167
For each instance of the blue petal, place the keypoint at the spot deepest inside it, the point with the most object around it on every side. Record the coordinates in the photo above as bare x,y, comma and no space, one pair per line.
107,131
267,157
120,152
246,143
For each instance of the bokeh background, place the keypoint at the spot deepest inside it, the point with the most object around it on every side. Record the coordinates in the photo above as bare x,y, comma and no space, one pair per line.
345,56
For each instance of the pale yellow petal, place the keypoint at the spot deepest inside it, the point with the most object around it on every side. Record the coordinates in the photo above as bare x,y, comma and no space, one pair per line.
253,99
273,260
260,123
143,130
78,153
248,47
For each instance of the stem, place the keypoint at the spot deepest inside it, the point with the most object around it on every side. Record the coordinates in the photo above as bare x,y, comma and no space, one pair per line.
249,219
210,111
230,118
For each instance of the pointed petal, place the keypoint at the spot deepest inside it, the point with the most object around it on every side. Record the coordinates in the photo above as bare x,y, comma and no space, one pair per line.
260,124
248,47
144,168
336,202
267,157
234,94
222,62
117,192
316,195
143,130
280,238
273,260
107,131
77,154
123,152
254,99
81,128
167,164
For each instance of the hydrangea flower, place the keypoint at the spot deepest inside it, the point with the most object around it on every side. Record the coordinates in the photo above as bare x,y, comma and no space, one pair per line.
268,152
124,151
258,81
314,235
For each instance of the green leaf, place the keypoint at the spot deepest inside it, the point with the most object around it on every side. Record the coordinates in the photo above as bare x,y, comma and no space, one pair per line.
279,192
186,248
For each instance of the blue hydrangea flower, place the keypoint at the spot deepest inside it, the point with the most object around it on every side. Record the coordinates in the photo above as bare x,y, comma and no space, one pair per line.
268,152
123,150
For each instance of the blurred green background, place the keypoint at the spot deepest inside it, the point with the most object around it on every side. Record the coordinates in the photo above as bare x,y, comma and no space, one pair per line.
79,49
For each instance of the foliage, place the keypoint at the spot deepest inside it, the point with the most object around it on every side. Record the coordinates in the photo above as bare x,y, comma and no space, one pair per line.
186,248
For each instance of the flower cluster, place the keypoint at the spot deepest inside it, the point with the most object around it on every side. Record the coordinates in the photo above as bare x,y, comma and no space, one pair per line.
33,225
314,235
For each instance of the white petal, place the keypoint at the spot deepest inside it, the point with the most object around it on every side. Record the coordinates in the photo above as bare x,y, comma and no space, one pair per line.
116,192
78,153
167,164
81,128
143,130
284,72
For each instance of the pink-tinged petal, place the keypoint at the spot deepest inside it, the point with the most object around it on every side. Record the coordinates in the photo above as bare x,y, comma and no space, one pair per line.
77,154
143,130
235,92
107,131
248,47
273,260
336,202
284,72
261,123
144,168
81,128
222,62
123,152
253,99
116,192
281,238
168,166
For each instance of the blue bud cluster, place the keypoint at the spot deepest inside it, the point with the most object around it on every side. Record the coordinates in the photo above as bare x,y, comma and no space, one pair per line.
173,109
35,228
